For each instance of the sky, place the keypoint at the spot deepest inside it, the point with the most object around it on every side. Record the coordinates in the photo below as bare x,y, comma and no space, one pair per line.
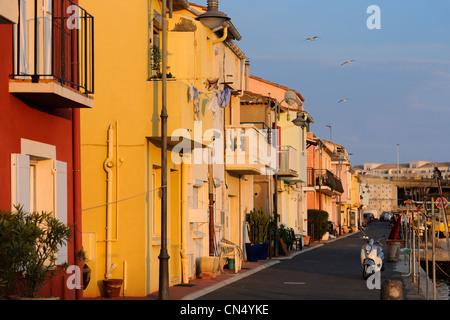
398,87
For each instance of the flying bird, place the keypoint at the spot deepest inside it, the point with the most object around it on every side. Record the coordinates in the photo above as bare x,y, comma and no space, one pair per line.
311,39
349,62
343,100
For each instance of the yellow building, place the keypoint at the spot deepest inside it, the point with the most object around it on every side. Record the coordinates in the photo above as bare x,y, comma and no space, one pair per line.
121,144
269,105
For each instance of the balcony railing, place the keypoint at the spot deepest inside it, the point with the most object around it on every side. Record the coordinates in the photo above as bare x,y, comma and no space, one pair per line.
55,43
248,151
288,162
324,178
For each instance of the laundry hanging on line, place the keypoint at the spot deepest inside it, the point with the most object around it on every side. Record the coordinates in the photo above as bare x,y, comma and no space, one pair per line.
224,98
213,104
194,97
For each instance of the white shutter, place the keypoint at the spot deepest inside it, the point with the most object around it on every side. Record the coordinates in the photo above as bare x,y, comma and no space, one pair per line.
20,181
61,204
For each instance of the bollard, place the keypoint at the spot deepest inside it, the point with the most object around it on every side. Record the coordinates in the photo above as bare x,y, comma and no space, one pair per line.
394,252
391,290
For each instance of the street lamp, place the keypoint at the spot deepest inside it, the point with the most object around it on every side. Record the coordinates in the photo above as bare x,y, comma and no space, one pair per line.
299,121
163,293
292,99
213,18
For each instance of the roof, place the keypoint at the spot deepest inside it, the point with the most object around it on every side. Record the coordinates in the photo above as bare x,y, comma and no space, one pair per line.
278,86
250,97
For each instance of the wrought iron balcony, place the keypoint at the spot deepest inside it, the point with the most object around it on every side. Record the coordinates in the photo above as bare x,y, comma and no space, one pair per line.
53,61
326,180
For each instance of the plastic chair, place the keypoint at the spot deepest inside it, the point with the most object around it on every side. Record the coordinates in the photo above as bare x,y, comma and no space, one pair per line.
229,250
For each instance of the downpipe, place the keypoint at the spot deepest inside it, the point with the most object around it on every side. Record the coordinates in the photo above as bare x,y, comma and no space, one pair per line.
108,165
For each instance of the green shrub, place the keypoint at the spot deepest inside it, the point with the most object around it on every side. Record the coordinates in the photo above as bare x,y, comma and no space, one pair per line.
317,223
29,243
286,234
258,226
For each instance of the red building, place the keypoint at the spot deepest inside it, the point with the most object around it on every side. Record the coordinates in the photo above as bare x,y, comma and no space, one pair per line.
45,79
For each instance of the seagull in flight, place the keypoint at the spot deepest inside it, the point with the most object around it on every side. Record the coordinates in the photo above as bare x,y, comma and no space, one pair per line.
312,38
349,62
343,100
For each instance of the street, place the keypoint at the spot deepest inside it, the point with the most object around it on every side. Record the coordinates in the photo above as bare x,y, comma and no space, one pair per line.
330,272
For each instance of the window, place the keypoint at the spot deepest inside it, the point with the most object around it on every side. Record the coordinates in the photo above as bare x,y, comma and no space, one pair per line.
40,184
195,191
154,44
156,201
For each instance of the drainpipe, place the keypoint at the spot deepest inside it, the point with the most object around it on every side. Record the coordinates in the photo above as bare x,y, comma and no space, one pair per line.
247,74
108,164
223,38
76,143
184,257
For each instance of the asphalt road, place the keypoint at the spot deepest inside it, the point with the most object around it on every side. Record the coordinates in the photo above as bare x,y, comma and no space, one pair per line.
330,272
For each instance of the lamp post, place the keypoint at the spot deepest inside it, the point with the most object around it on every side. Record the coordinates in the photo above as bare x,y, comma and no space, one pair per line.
398,166
291,98
212,19
163,293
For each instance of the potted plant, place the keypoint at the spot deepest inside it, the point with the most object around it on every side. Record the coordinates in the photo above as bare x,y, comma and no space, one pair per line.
257,227
29,244
156,57
81,256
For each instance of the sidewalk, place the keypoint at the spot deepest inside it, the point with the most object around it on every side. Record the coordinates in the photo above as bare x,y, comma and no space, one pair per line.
199,287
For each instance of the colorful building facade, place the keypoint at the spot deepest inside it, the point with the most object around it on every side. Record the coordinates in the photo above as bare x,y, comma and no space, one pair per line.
121,145
41,94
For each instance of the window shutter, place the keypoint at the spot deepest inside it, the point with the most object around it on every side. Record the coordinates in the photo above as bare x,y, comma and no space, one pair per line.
20,181
61,205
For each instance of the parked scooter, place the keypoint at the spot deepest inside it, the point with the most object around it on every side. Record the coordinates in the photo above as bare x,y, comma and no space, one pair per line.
372,256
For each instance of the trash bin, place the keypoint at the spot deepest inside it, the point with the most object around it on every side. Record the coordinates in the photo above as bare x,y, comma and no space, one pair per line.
394,252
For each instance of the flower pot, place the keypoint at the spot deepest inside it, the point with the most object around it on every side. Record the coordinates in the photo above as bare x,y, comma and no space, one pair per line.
326,236
112,287
231,263
306,240
209,266
86,276
263,251
252,250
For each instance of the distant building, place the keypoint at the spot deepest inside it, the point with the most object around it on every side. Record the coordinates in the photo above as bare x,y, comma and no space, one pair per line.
384,187
413,169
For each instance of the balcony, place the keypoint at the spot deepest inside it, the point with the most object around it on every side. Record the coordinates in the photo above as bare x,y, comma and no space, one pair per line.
248,150
288,162
53,60
325,181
